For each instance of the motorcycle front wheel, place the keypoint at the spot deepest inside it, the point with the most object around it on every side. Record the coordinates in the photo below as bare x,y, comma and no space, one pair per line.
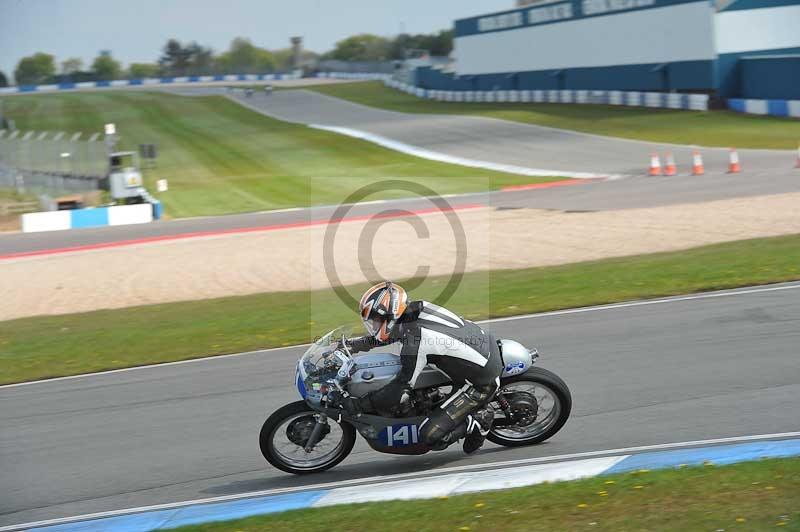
540,399
285,432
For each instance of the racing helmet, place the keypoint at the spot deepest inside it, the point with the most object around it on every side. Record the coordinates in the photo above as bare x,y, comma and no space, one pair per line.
380,307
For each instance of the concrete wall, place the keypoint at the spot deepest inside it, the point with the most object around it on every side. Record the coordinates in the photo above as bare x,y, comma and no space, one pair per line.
632,45
771,77
751,28
670,32
81,218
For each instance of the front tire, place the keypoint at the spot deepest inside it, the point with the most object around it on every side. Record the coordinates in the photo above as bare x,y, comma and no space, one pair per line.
282,460
553,388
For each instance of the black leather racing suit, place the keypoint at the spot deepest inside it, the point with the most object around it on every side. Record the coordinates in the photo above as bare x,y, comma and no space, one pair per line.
431,334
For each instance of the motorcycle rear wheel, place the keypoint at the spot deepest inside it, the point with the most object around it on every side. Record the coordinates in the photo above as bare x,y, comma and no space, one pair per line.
551,388
280,459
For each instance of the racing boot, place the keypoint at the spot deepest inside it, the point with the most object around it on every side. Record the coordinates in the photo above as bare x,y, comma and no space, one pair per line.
478,426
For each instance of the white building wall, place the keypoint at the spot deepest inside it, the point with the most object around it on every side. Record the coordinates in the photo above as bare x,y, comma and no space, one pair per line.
750,30
683,32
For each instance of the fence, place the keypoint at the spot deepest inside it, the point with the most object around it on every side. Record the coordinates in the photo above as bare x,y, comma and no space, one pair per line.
149,82
52,162
694,102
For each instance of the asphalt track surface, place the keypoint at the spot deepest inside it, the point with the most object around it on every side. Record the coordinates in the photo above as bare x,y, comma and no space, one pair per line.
765,171
707,366
496,140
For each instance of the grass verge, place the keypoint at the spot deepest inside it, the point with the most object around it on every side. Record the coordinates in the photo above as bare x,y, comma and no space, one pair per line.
760,495
716,128
220,157
51,346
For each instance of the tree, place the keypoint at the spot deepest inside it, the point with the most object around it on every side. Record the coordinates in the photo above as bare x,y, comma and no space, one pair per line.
284,58
439,44
35,69
106,67
175,58
363,47
143,70
201,59
71,65
180,60
3,79
244,57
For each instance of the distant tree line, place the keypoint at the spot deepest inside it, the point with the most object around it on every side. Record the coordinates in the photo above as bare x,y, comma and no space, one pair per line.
242,57
369,47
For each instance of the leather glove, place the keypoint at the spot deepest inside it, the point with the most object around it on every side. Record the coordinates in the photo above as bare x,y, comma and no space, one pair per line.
351,405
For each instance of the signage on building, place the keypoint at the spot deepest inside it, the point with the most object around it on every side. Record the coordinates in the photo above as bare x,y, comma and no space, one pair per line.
549,11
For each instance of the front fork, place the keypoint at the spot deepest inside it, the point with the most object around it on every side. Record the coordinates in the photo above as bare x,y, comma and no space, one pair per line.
322,421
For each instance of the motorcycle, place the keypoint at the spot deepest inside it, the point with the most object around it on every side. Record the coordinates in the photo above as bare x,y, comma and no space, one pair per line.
312,435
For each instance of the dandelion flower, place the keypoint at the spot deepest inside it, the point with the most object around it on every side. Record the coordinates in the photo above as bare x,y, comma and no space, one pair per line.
610,481
602,493
583,505
479,505
638,487
740,519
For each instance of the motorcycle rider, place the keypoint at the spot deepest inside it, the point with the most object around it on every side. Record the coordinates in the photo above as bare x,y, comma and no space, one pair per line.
430,334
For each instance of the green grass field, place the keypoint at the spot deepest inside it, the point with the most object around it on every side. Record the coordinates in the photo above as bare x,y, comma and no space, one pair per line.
221,158
717,128
761,495
51,346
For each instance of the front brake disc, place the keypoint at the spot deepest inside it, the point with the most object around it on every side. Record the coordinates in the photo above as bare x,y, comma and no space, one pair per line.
299,430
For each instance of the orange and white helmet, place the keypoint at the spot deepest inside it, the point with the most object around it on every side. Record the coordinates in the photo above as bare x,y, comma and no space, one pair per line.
381,306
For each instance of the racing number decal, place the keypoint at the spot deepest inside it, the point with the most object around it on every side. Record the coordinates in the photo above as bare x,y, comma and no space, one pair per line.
401,435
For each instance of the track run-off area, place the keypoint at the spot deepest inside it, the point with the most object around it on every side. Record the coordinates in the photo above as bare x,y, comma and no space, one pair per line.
698,367
500,142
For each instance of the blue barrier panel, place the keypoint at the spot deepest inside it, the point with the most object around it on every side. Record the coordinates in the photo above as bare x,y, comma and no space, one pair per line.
278,76
241,77
778,107
66,85
27,88
157,209
102,83
89,217
219,78
194,78
135,82
166,80
736,104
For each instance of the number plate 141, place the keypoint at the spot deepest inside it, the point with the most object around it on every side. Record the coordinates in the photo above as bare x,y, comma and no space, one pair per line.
400,435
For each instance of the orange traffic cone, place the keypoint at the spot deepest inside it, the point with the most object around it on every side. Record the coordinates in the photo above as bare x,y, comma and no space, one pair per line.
733,162
669,167
697,164
655,164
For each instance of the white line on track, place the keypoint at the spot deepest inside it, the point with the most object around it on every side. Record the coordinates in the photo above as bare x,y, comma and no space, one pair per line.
613,306
425,474
425,153
673,299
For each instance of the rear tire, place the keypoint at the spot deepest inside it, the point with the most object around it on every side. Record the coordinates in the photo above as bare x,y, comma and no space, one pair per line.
561,393
277,419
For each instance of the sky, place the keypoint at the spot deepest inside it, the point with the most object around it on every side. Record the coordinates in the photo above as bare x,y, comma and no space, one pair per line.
136,30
